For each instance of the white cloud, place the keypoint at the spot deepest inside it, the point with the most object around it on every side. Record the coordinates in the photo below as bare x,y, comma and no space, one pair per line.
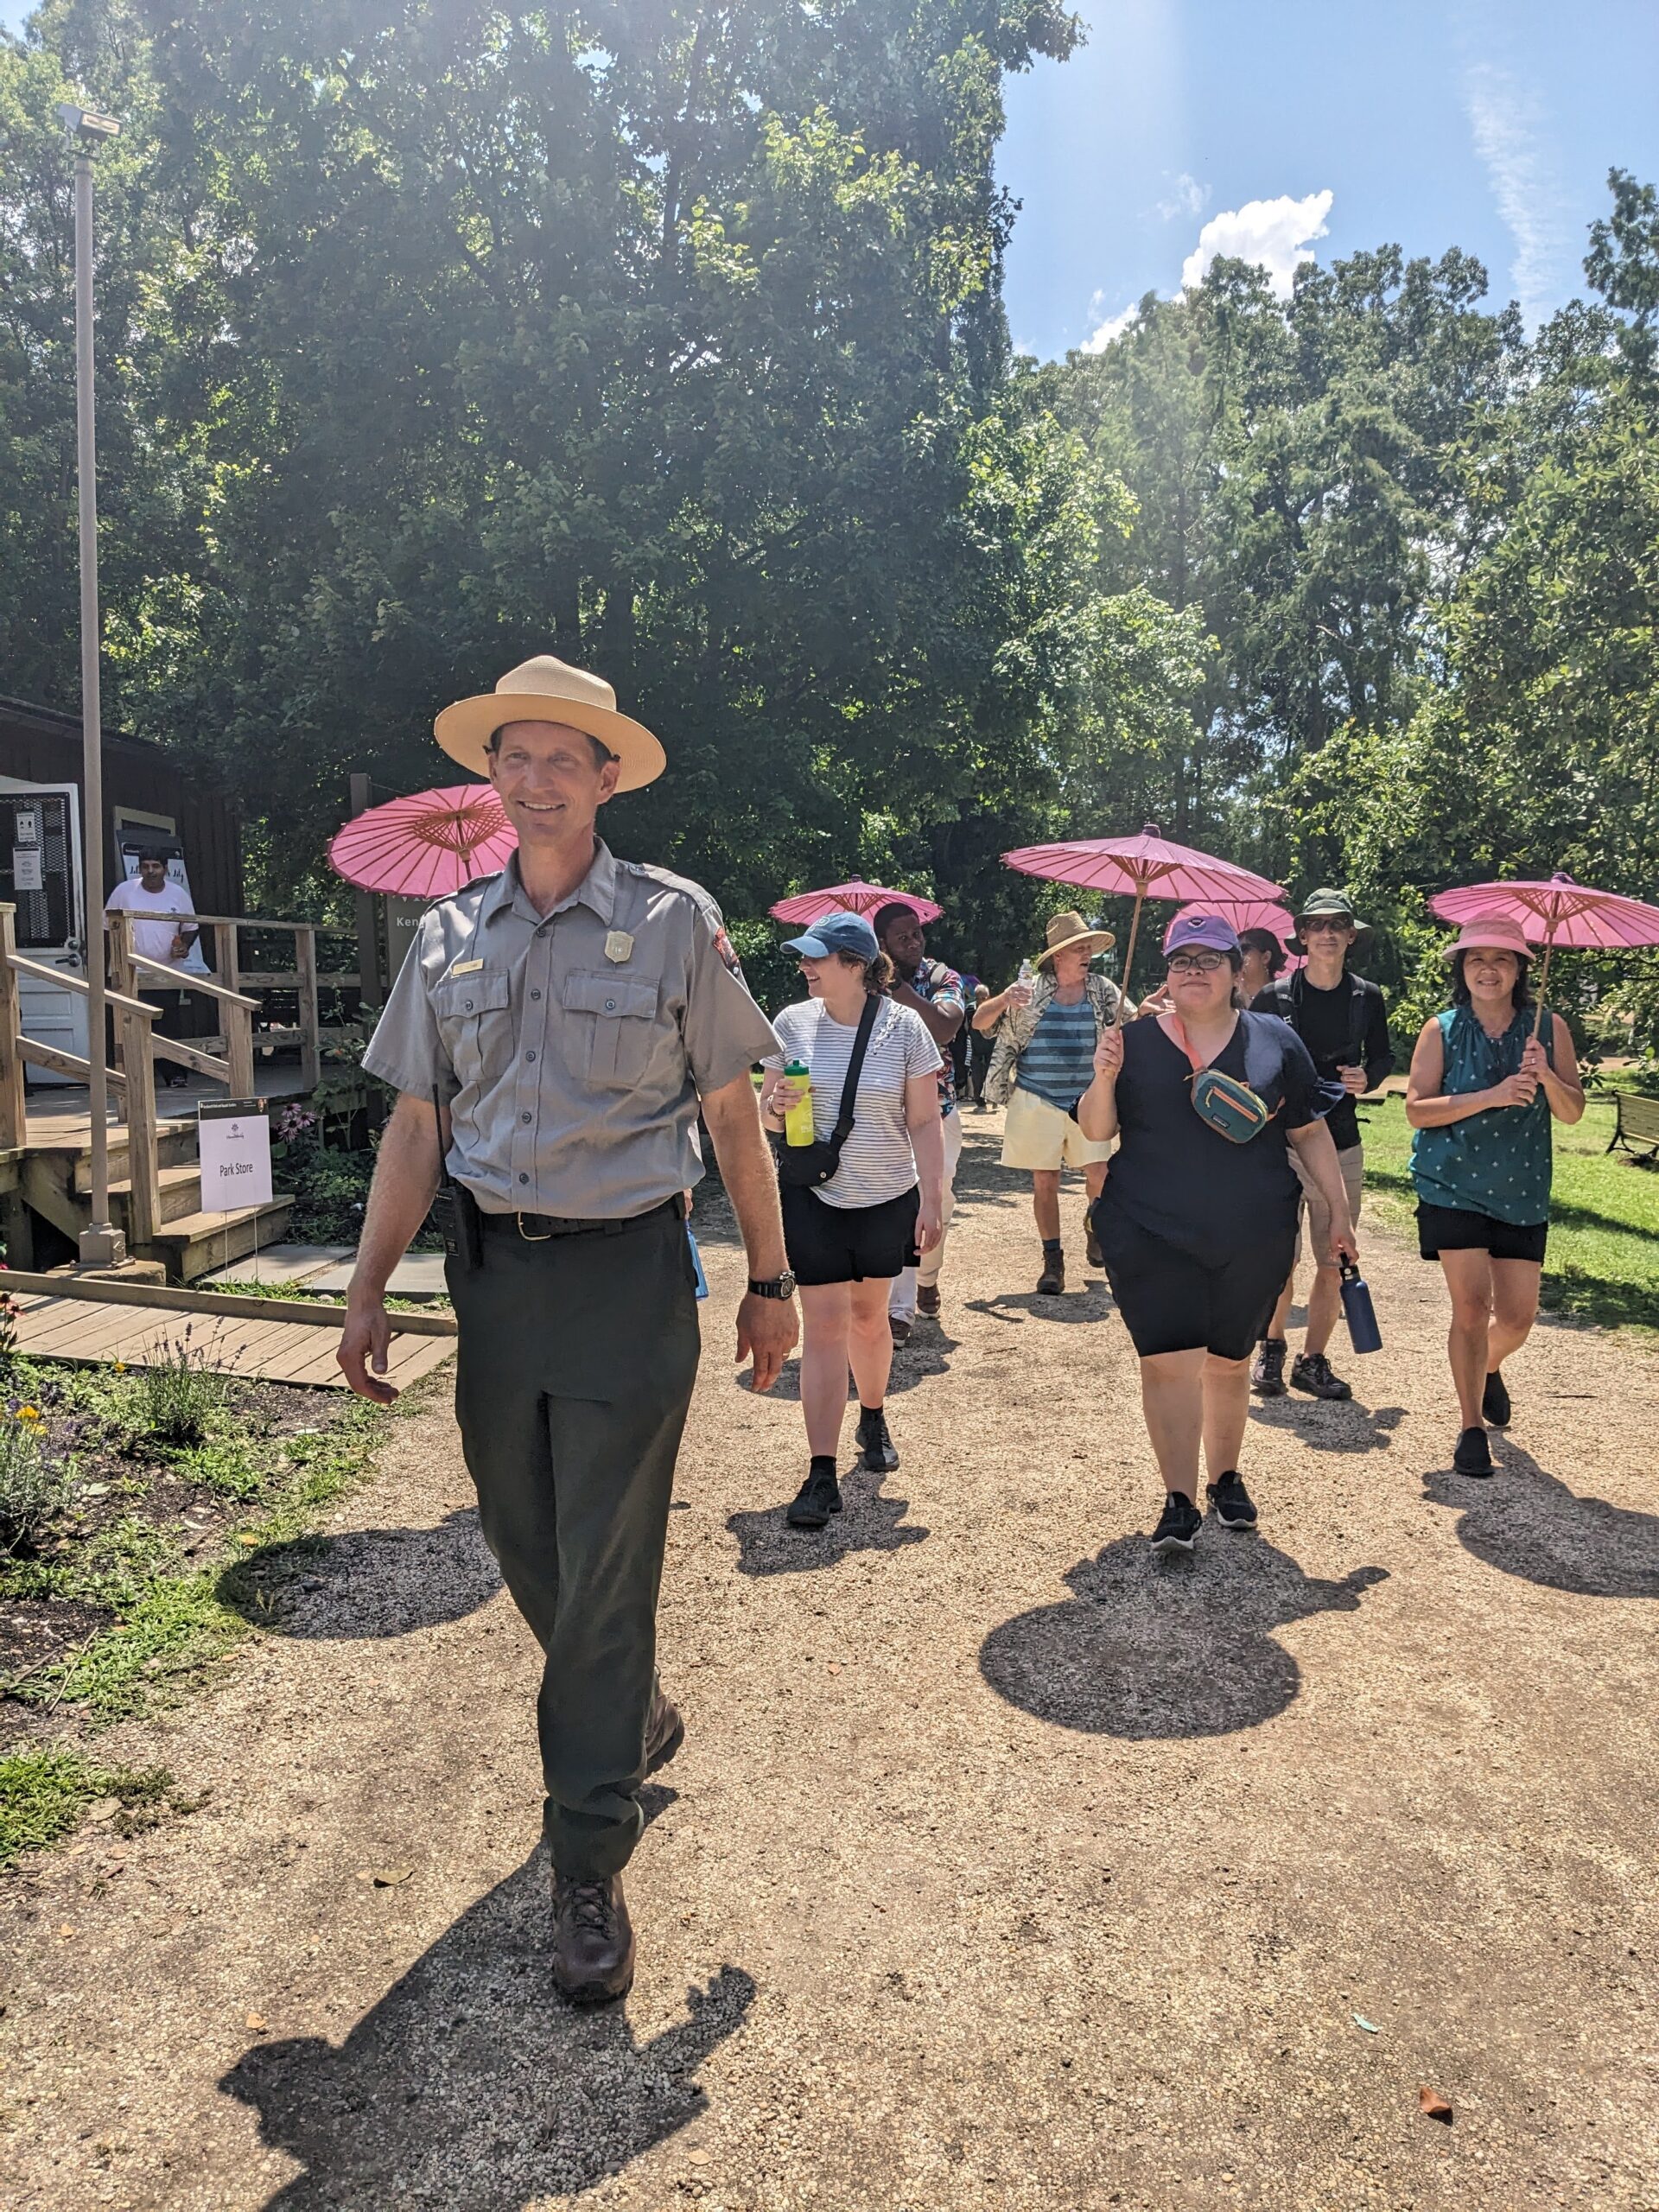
1114,327
1187,197
1508,124
1272,234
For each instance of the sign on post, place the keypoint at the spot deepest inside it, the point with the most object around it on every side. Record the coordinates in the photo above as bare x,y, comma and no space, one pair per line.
233,1137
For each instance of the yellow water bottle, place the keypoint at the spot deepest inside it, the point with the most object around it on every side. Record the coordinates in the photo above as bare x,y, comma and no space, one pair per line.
797,1120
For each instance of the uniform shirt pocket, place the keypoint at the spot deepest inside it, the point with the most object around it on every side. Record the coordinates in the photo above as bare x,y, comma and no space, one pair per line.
475,1019
610,1025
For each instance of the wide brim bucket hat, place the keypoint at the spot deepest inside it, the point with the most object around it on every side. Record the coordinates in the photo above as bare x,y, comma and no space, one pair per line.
544,689
1490,933
1069,929
1340,906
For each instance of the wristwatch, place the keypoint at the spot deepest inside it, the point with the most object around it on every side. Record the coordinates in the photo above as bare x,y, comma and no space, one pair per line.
778,1286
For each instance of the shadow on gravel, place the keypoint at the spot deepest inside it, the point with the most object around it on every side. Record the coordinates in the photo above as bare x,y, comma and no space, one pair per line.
1526,1522
1090,1300
924,1356
470,2087
767,1545
371,1583
1147,1648
1338,1425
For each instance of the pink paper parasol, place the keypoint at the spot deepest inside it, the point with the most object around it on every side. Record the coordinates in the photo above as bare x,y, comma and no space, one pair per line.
1147,867
854,898
1560,912
428,846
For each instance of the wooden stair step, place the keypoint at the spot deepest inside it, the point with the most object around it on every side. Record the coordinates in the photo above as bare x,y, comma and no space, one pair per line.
181,1192
193,1244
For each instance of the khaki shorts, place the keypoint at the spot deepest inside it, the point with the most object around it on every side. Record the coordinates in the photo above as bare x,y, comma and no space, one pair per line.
1352,1164
1037,1135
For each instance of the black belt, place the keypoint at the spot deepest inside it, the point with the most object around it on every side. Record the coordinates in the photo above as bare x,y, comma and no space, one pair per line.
539,1228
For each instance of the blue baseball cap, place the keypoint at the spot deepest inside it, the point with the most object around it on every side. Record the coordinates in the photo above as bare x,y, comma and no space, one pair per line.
839,932
1208,931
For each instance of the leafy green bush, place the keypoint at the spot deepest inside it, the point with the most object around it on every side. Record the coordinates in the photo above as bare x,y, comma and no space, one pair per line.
32,1487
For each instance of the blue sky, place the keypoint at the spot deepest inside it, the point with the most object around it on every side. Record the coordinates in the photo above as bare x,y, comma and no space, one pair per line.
1428,122
1486,124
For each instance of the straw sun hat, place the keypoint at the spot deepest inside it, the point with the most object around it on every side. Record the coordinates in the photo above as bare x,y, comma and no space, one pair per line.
549,690
1071,929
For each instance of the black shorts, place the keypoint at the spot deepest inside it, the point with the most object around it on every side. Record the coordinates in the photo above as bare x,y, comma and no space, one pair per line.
1451,1229
1173,1301
829,1244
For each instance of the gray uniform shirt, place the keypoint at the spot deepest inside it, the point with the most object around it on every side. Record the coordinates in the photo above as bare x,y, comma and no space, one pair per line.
572,1047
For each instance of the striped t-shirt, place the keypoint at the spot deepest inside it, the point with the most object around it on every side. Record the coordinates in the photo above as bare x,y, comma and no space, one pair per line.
1058,1063
876,1160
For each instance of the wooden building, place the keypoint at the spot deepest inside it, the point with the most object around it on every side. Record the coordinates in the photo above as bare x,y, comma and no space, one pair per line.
149,799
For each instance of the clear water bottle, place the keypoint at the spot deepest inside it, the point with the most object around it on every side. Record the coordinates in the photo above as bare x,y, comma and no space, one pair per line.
798,1119
1363,1331
1028,973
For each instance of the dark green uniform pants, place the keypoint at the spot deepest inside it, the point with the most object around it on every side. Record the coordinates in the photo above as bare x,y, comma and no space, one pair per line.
576,1361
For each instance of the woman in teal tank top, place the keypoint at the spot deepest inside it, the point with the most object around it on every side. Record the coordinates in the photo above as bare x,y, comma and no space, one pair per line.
1482,1093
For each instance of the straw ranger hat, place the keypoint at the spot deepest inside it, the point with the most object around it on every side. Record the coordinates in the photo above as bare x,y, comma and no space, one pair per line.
549,690
1070,929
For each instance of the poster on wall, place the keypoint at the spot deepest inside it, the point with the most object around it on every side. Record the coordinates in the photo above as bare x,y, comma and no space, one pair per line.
136,841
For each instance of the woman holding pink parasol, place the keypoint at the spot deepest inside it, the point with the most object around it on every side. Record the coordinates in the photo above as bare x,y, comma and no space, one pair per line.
1486,1078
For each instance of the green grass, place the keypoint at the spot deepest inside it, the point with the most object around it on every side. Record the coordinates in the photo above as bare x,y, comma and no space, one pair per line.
1603,1264
45,1790
174,1615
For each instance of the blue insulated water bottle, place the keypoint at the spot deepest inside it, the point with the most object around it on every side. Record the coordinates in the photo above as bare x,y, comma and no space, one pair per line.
1363,1331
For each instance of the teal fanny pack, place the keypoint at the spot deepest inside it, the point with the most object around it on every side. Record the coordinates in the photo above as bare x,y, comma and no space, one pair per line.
1221,1102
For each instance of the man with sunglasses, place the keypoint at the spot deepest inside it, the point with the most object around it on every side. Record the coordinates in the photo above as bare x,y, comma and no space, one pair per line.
1344,1022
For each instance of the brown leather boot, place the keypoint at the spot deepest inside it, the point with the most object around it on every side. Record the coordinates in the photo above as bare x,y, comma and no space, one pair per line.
592,1941
664,1731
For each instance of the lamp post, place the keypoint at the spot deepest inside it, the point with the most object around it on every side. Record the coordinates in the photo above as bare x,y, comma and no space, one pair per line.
102,1245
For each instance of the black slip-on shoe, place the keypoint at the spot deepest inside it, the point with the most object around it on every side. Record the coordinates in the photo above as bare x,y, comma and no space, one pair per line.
1178,1525
1495,1399
1474,1454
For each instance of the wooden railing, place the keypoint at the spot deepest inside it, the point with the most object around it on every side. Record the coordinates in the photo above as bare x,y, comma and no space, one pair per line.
303,978
130,971
133,1081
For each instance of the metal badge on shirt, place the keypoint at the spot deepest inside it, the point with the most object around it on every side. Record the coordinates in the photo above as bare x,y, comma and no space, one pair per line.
619,946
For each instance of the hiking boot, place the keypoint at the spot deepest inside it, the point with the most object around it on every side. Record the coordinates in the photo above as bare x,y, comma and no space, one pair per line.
900,1328
664,1731
927,1300
1268,1373
818,1497
1052,1281
1092,1251
1495,1399
877,1455
593,1940
1474,1454
1231,1503
1178,1525
1310,1371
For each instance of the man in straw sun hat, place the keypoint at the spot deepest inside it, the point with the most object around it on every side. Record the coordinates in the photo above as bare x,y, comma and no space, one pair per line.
1047,1024
551,1036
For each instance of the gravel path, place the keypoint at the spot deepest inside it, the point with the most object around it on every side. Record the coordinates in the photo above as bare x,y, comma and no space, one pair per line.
1003,1867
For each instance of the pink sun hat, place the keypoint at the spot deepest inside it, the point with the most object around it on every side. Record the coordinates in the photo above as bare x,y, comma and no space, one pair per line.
1490,933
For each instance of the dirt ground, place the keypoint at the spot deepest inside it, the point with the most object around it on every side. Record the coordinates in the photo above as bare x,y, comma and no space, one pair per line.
1003,1867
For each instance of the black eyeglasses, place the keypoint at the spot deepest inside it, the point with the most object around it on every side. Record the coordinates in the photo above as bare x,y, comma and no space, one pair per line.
1197,964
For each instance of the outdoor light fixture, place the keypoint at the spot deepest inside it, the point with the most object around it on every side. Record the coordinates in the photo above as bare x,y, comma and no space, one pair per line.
86,125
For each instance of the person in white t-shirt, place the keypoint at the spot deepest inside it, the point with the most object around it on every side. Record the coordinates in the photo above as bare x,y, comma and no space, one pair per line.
154,903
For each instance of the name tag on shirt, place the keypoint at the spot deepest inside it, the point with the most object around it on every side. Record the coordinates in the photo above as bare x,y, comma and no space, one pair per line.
466,967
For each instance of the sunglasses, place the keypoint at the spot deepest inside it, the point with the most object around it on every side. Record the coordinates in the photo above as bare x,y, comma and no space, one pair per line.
1323,924
1197,964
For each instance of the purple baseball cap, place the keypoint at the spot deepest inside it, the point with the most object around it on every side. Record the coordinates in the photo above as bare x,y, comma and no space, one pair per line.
1209,931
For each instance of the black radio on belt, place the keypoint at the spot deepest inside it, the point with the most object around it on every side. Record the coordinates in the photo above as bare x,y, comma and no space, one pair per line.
454,1211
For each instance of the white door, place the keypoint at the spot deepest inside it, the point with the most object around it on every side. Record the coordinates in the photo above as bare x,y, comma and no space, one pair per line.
40,873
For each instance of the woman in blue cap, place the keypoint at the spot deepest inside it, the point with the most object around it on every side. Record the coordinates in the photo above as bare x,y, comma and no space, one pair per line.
1197,1218
849,1238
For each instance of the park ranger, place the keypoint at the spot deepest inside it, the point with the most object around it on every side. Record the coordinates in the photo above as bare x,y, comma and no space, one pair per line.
550,1036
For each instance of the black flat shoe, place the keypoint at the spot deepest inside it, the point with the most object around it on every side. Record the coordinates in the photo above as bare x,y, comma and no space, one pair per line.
1474,1454
818,1497
1495,1399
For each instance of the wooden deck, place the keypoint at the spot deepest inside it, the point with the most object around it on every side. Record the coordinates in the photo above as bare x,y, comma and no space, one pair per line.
82,1329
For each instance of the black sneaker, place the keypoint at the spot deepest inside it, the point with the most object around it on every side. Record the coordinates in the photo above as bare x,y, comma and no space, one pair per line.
877,1455
1178,1525
1052,1281
1092,1251
818,1497
1474,1454
898,1329
1495,1399
1268,1373
1310,1371
1231,1503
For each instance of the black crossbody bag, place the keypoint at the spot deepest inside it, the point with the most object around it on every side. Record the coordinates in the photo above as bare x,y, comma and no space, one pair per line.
804,1167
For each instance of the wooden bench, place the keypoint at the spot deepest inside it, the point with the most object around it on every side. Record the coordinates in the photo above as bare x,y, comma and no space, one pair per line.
1637,1124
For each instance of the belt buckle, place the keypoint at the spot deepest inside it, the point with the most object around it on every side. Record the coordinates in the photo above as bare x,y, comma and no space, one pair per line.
546,1239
